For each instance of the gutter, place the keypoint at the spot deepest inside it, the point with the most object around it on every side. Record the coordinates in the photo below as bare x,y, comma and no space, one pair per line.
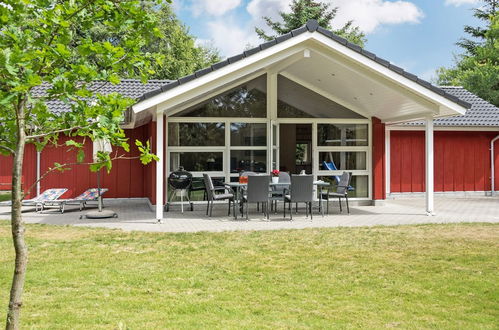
492,166
38,158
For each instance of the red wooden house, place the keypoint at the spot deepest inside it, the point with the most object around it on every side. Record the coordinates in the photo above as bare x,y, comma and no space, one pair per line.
304,99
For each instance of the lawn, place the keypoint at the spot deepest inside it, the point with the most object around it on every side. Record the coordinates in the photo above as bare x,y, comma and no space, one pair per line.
5,196
429,276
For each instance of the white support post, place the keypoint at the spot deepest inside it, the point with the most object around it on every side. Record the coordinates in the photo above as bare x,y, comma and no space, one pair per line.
38,171
159,167
429,166
387,162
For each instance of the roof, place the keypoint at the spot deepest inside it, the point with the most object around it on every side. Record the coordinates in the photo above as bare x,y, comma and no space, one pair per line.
311,27
132,88
481,113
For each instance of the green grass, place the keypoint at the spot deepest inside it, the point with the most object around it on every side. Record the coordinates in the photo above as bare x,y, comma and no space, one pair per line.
5,196
431,276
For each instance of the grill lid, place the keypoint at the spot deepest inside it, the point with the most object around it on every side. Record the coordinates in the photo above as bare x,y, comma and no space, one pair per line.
180,179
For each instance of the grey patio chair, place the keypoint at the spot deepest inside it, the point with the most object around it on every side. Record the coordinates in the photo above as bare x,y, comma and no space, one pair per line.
227,194
258,192
300,191
341,191
278,192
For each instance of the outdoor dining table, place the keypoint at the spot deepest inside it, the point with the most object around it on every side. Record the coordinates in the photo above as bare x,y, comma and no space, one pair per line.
239,187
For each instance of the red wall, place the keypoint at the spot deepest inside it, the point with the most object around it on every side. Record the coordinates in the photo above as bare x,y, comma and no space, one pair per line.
126,179
379,159
462,161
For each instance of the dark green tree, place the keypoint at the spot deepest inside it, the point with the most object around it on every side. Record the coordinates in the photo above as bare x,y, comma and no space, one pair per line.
180,54
477,69
304,10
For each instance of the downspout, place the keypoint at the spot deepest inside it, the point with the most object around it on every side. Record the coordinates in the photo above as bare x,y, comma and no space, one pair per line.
38,157
492,166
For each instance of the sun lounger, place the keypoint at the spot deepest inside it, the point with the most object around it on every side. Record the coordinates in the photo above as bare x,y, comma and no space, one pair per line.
88,195
48,195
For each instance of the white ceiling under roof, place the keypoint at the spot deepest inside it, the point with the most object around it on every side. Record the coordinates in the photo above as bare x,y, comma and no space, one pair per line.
356,88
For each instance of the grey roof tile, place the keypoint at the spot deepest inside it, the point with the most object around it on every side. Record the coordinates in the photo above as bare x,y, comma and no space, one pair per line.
131,88
481,113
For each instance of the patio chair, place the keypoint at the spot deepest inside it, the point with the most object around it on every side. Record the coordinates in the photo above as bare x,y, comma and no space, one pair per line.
47,195
341,191
257,192
301,191
279,191
212,196
331,166
88,195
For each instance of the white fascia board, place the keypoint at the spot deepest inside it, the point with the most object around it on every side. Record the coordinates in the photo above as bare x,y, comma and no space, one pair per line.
224,71
394,76
444,128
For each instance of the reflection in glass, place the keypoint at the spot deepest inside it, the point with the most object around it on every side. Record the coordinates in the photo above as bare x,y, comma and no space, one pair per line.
196,134
248,160
342,135
297,101
247,100
197,161
245,134
359,185
344,160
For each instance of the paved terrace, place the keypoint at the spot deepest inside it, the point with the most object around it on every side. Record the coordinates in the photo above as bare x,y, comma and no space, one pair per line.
135,215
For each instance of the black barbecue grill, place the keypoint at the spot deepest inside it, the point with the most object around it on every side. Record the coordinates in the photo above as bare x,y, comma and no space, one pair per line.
180,182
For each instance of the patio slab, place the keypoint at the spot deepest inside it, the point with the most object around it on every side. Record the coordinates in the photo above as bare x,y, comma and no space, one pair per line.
136,215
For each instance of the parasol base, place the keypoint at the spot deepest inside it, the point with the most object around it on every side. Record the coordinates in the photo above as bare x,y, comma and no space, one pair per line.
100,215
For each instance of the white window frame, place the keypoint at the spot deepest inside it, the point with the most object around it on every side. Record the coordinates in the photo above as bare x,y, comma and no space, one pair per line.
271,119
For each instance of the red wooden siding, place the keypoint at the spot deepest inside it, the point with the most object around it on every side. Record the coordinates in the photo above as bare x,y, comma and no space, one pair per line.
378,158
462,161
125,180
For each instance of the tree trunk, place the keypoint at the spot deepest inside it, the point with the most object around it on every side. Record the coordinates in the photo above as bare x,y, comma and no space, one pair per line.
16,291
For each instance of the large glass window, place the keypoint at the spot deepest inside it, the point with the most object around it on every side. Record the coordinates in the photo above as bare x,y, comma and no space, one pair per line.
247,100
359,185
342,135
197,161
296,101
342,160
196,134
248,134
248,160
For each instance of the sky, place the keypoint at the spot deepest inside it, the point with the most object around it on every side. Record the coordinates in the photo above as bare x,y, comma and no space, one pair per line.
417,35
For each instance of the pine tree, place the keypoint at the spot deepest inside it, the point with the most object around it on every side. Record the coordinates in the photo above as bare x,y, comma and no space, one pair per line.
304,10
477,69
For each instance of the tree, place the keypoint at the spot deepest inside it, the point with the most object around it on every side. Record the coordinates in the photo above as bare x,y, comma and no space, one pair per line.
42,44
477,69
304,10
180,56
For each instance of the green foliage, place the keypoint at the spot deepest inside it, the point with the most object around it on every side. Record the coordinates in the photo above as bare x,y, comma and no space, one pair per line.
146,156
179,55
304,10
48,43
477,69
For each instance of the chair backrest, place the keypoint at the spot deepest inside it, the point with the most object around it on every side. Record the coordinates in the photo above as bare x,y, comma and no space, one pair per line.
50,194
247,173
208,184
302,188
284,177
344,183
258,188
